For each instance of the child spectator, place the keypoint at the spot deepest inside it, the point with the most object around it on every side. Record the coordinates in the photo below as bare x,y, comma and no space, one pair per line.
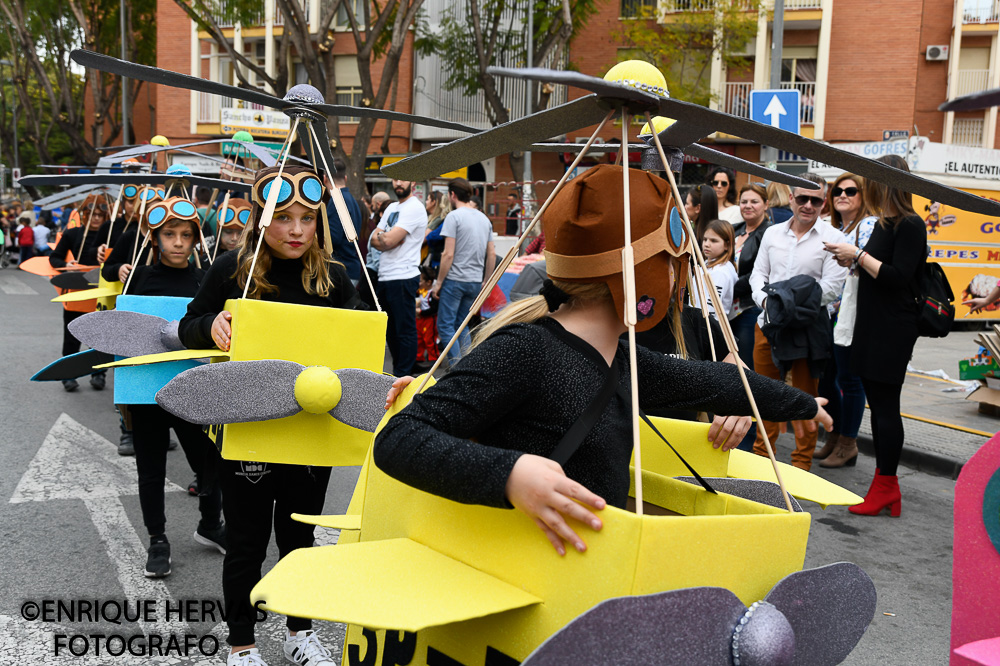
717,243
427,349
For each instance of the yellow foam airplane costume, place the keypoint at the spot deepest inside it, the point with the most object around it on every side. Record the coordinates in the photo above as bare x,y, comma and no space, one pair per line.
425,580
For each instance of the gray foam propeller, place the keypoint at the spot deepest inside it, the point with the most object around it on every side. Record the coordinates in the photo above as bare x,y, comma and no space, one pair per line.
810,618
124,333
247,391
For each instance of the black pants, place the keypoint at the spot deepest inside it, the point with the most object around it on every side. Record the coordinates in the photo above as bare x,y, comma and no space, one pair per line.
70,344
364,291
151,432
398,298
887,424
255,494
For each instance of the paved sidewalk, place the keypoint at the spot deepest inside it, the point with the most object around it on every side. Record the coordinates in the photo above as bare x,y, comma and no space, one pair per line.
943,429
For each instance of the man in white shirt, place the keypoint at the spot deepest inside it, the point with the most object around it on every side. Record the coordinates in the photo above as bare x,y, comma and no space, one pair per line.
398,237
788,249
467,260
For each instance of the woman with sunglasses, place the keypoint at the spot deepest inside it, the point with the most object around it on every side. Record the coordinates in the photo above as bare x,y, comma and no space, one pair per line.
82,242
842,388
723,182
118,263
293,266
889,268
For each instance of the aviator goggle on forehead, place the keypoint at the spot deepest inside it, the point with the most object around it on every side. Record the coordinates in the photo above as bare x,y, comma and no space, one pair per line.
130,192
237,213
174,208
304,188
146,194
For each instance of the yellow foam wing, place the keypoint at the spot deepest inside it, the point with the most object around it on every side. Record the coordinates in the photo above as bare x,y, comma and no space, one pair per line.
800,483
87,294
345,522
391,584
182,355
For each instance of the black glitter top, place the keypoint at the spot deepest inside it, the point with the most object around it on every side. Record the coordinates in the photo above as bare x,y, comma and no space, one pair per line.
522,388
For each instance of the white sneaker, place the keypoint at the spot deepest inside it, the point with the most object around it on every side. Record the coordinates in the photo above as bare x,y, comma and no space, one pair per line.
305,649
248,657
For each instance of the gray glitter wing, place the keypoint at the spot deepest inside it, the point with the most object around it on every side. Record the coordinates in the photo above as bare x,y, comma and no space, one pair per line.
362,401
829,608
120,332
233,392
680,627
762,492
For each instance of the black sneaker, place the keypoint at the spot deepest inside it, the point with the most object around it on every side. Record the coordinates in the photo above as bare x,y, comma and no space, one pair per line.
193,489
98,381
70,385
158,560
126,447
212,537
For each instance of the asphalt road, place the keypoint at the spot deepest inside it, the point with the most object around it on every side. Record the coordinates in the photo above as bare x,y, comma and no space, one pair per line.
71,528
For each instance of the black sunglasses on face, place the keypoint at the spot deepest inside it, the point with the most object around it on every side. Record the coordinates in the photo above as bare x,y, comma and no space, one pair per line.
803,199
720,183
849,191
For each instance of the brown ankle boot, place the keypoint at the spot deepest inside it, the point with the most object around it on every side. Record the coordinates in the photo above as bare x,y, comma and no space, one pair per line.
832,438
845,455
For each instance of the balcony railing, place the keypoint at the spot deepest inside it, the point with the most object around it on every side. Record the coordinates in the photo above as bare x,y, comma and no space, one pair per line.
968,132
736,100
678,6
972,81
981,11
209,106
278,19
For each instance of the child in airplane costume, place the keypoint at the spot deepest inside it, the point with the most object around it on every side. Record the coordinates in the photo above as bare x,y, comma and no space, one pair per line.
174,227
489,434
293,266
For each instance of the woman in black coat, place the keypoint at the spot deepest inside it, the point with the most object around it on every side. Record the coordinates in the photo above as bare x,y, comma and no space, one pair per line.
885,332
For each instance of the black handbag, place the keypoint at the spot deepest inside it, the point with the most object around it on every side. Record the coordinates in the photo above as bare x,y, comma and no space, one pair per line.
937,314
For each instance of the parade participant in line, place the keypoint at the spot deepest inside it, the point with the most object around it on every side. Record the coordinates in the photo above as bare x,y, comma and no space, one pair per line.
94,211
237,214
118,263
890,268
127,210
293,266
174,237
787,251
484,433
398,237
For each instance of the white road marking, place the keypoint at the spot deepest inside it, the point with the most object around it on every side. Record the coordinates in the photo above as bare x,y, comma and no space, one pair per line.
16,287
77,463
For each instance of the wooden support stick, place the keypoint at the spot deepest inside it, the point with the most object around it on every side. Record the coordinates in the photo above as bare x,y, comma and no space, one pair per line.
219,219
726,329
509,257
628,273
128,281
114,216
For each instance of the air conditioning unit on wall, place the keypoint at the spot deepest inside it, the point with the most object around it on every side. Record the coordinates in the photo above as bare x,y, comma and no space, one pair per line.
937,52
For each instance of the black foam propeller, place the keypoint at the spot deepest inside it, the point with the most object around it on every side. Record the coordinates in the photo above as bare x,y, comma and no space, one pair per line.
973,101
134,179
312,102
693,122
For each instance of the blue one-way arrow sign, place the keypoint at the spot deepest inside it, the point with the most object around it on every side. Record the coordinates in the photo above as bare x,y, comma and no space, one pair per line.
777,108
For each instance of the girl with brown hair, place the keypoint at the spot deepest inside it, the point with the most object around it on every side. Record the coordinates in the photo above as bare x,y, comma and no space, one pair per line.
293,266
717,244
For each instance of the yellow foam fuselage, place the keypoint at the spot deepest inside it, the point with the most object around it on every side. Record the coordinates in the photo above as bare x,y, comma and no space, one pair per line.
309,335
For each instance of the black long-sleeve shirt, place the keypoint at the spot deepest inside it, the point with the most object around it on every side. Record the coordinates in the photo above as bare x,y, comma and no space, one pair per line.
70,242
121,254
521,389
220,284
162,280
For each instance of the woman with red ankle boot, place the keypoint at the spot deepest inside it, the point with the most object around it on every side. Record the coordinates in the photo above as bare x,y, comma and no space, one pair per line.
889,269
